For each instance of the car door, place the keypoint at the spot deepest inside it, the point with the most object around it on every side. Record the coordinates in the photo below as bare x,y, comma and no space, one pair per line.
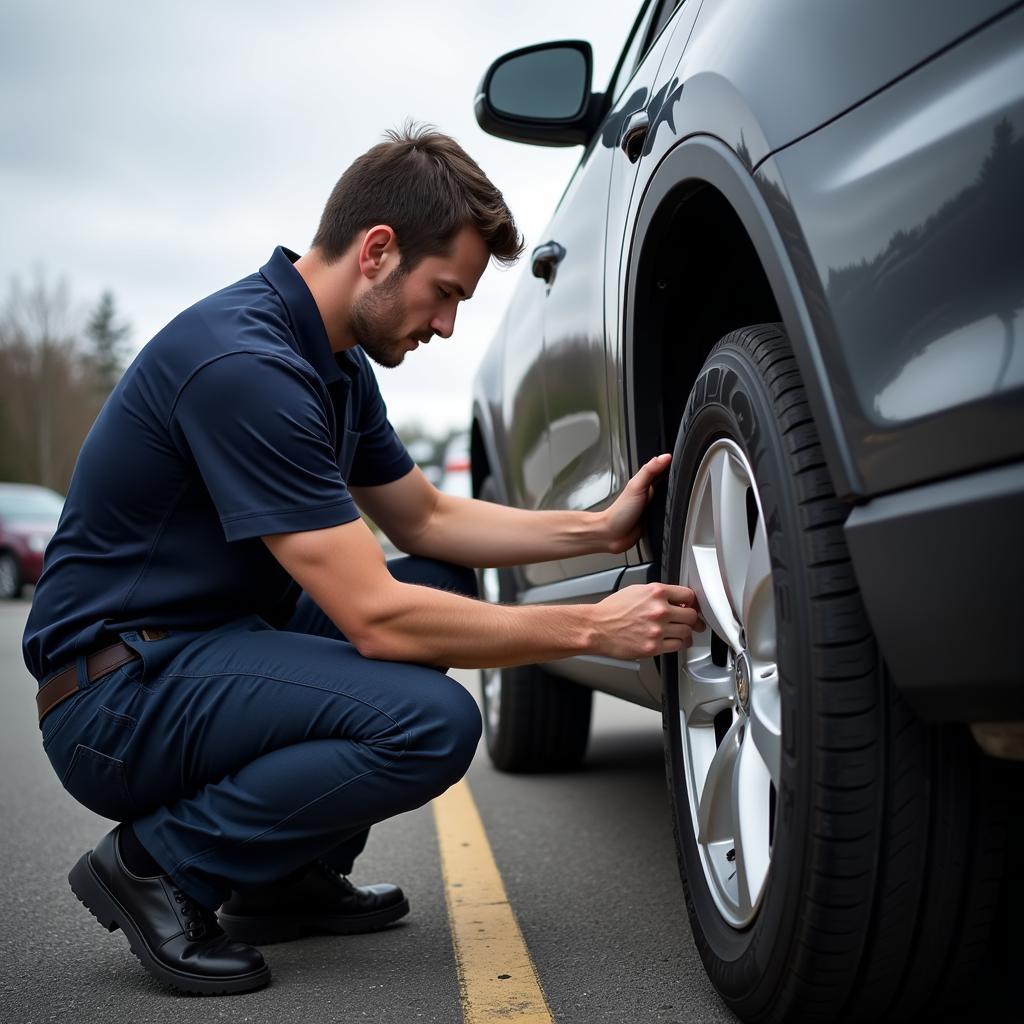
636,118
582,403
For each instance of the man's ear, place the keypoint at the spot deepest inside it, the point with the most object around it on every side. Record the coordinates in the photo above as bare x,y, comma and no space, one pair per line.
378,251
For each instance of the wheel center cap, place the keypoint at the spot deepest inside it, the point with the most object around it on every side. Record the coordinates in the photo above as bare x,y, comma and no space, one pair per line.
743,679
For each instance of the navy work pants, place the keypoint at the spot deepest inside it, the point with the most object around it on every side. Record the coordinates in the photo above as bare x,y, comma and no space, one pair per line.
241,753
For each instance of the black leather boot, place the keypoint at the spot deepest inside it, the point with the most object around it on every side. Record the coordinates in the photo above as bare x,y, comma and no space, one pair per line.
314,901
176,940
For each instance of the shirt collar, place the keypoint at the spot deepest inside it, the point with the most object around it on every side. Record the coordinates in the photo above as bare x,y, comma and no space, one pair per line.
307,323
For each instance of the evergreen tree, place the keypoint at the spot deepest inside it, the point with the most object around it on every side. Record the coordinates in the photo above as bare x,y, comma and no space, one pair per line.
108,338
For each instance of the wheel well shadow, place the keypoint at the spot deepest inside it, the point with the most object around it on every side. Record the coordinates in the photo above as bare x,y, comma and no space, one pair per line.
699,278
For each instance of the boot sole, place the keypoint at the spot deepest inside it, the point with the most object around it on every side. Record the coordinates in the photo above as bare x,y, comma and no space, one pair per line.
104,906
264,931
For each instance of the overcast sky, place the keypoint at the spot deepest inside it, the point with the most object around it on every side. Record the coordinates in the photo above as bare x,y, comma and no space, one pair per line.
163,150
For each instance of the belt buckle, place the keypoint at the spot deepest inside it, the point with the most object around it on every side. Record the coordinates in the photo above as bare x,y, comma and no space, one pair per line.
153,634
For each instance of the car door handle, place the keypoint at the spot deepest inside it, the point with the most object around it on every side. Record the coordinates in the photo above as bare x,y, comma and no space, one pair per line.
633,135
545,258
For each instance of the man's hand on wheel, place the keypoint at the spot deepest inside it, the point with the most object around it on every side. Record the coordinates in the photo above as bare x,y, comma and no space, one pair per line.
645,620
622,519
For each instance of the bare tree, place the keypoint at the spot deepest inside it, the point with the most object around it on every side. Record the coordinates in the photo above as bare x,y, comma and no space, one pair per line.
48,391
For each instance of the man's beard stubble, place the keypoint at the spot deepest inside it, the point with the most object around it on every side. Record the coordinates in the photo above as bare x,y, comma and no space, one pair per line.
376,319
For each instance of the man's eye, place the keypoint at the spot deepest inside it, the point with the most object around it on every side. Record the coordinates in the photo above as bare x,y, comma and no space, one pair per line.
443,293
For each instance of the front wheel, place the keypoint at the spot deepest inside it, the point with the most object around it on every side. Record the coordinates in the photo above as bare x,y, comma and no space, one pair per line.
840,859
533,721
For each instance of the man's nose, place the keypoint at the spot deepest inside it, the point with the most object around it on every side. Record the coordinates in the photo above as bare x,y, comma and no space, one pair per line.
443,325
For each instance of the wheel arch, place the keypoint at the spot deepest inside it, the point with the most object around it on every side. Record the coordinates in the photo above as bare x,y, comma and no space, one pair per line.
483,458
739,275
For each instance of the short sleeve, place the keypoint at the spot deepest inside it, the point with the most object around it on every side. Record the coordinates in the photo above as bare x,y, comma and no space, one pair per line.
380,455
260,436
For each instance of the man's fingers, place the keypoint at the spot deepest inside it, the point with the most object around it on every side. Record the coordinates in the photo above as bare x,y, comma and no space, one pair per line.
675,643
678,630
650,469
676,594
684,615
685,598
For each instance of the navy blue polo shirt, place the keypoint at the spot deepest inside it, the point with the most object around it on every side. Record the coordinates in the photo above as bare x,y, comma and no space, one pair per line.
235,421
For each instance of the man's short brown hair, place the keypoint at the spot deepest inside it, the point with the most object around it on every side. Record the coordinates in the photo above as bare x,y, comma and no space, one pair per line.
425,187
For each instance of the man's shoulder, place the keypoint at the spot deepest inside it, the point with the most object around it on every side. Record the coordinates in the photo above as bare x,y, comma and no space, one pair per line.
245,319
246,315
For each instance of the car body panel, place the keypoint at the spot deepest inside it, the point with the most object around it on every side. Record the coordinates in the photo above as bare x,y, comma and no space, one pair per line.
947,629
750,64
911,209
907,98
524,414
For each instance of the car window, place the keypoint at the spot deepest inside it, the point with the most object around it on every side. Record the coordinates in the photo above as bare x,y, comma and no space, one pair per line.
653,17
30,503
664,15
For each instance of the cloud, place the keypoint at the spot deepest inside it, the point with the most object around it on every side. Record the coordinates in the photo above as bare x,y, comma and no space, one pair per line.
163,150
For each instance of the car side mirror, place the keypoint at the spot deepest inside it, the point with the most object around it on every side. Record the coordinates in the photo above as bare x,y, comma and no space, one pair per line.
539,94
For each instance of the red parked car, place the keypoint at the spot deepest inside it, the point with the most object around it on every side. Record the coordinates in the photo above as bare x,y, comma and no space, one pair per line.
28,517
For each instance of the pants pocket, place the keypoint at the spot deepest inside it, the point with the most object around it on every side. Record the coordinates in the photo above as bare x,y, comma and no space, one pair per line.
98,781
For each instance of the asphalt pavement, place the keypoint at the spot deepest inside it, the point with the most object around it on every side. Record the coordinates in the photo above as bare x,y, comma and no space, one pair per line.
587,860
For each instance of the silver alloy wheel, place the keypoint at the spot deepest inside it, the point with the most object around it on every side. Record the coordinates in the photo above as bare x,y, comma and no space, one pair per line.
729,705
491,677
8,576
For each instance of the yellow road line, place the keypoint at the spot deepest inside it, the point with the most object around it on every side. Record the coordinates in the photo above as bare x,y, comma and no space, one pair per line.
497,978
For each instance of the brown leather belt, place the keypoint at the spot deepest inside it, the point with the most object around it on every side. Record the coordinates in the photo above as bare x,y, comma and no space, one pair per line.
65,682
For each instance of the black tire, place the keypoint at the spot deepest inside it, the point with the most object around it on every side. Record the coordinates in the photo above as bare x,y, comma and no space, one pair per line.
534,721
10,577
889,835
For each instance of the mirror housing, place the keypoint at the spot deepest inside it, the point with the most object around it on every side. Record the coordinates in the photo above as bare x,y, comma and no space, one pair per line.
541,95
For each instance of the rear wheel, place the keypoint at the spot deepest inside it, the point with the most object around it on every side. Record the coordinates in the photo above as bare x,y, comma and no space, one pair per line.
533,721
840,859
10,577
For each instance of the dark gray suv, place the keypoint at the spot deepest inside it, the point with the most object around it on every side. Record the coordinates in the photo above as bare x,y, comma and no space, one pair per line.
792,253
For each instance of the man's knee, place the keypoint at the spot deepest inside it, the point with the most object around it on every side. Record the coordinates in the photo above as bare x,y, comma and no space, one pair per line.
467,727
449,732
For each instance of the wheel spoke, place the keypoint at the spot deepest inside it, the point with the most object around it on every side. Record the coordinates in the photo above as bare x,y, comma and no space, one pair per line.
750,804
729,513
705,689
759,571
715,816
711,595
766,721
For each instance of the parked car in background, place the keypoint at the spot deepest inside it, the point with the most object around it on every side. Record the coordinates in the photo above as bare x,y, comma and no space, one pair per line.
455,478
421,451
792,254
28,517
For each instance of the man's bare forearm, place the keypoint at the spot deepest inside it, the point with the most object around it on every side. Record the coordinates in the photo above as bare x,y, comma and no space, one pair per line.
482,534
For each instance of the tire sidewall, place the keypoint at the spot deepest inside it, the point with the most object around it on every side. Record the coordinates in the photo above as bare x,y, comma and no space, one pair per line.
730,400
496,739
